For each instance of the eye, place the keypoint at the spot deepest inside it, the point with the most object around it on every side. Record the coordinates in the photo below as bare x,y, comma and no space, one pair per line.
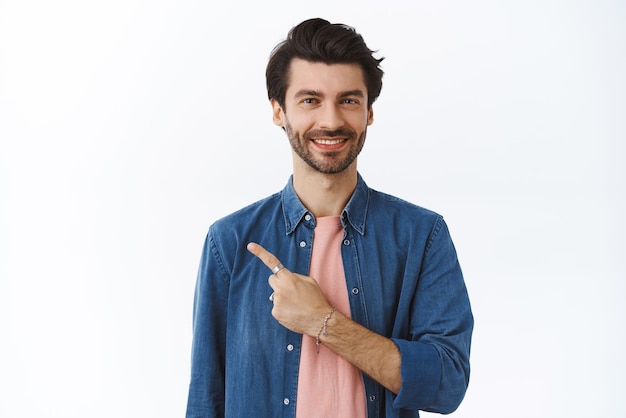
309,100
350,101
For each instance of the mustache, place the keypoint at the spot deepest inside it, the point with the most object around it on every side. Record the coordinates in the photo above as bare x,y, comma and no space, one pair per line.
323,133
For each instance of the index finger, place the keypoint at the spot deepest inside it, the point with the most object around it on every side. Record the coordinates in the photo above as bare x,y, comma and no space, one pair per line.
262,254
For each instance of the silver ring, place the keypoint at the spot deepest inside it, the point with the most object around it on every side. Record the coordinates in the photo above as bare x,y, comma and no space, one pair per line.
278,268
272,297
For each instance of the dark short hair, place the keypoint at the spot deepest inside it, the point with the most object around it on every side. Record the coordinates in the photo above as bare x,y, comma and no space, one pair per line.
317,40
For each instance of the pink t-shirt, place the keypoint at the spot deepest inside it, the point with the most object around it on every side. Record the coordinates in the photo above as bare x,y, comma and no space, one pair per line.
328,386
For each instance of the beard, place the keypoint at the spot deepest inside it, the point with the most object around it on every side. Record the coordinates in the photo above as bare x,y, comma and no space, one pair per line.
331,162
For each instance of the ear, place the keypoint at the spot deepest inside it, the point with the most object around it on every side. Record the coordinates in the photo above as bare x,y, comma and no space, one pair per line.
277,113
370,116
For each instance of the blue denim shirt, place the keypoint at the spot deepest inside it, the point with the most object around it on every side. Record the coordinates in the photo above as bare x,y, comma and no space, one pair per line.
404,282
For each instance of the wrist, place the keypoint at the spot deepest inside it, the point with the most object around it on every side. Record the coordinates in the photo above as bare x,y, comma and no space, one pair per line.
323,331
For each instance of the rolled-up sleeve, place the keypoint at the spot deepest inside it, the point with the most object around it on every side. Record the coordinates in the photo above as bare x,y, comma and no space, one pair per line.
435,356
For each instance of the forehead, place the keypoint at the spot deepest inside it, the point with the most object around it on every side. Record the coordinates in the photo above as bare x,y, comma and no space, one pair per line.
328,79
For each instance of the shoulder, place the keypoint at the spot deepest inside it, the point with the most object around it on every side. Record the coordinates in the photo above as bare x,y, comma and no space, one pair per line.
227,237
249,215
409,222
387,203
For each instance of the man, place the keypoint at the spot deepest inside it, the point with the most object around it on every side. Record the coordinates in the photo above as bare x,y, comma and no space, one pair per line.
366,313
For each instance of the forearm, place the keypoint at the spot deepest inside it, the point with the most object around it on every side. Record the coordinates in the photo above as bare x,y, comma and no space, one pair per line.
300,305
373,354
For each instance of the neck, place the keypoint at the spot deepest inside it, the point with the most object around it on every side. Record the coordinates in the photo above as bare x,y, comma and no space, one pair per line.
325,194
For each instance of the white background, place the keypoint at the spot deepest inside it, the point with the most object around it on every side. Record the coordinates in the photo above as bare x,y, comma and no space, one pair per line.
127,127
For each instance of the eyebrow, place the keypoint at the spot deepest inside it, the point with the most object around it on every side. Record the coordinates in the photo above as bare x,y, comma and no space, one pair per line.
348,93
352,93
302,93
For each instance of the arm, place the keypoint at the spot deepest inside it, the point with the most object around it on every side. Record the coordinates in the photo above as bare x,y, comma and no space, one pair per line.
435,353
206,388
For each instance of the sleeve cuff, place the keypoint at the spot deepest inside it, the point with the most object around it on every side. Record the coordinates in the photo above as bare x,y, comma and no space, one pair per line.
421,375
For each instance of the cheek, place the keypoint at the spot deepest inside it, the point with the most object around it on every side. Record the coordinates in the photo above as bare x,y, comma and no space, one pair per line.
361,121
299,122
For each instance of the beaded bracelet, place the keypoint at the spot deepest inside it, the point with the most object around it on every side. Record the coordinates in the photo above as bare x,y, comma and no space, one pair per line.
323,330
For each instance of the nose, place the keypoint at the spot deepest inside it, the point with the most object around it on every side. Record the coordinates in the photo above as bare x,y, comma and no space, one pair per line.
331,117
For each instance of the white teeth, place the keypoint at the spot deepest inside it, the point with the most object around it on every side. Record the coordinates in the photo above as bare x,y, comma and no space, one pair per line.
328,141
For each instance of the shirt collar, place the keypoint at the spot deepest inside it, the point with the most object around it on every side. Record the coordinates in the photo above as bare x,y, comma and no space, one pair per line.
354,213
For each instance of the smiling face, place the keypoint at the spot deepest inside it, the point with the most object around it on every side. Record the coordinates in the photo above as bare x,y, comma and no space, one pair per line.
325,115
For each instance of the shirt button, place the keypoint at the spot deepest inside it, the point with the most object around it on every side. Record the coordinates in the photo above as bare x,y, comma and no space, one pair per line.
355,291
372,398
290,347
302,244
307,217
286,401
346,242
